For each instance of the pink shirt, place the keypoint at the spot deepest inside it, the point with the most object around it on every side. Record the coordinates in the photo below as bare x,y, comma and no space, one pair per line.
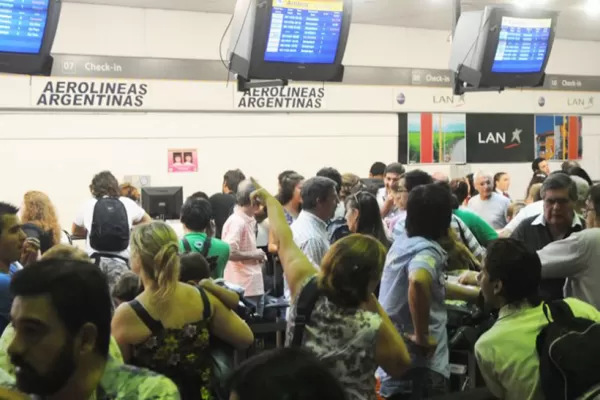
239,232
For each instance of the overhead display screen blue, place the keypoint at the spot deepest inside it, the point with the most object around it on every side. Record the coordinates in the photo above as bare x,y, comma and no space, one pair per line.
304,31
22,25
523,45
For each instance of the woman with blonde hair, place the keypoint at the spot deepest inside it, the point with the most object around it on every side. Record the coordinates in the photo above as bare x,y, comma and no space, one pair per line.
347,329
40,220
168,326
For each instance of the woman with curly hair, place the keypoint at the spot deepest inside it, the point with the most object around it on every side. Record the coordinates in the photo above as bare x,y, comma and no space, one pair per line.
40,220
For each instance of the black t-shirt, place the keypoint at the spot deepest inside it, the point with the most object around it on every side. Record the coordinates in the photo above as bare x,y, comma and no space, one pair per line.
222,207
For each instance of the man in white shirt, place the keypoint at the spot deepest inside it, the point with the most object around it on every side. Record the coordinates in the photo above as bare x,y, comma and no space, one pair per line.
489,205
103,185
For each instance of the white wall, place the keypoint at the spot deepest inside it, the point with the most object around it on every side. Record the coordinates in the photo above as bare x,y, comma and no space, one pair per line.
58,151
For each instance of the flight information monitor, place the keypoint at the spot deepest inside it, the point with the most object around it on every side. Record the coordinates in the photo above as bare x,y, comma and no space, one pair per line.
22,25
304,31
523,45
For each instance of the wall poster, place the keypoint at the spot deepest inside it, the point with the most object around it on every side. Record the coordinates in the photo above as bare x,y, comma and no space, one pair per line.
182,160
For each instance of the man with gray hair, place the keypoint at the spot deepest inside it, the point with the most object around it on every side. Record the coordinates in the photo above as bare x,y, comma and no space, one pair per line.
558,221
319,202
244,267
489,205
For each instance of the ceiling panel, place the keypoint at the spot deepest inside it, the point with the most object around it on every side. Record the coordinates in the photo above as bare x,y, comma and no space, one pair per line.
427,14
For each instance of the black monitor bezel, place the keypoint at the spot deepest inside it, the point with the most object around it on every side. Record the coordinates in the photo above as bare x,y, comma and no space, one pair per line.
501,79
40,63
148,193
261,69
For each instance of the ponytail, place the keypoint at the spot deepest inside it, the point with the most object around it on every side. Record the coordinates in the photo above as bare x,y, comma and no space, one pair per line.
157,246
166,262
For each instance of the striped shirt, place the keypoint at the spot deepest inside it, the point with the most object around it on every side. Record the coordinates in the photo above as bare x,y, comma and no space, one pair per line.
310,235
462,231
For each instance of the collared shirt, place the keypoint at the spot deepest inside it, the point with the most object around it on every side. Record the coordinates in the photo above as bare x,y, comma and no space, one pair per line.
530,210
310,235
534,233
575,258
239,232
507,354
6,297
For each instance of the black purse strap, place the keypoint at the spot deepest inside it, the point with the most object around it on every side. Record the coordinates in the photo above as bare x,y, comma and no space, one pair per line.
186,245
206,246
304,307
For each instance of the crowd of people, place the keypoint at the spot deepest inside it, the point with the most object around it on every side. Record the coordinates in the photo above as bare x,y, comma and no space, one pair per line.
369,266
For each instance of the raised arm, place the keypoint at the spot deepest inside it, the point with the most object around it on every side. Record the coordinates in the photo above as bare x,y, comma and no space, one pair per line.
296,266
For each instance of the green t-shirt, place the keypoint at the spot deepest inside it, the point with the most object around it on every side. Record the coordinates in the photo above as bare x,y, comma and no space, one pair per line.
482,231
218,248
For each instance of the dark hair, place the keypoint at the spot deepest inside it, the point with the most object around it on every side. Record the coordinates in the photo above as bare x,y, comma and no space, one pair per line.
196,214
378,168
288,186
518,268
105,184
460,189
369,218
6,209
285,373
232,179
284,174
560,181
535,165
128,287
332,174
78,291
538,177
175,155
569,164
395,168
370,187
497,177
193,267
187,154
428,212
316,190
199,195
594,197
416,177
473,191
580,172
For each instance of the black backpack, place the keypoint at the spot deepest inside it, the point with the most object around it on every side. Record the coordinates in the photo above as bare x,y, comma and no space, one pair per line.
213,261
110,226
569,352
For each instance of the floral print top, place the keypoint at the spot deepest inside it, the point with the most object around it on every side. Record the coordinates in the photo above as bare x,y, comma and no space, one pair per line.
344,340
124,382
180,354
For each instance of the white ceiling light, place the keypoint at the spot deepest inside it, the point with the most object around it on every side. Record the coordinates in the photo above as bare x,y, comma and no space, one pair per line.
592,7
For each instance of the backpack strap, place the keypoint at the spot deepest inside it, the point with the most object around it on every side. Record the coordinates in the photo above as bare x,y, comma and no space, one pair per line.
98,256
152,324
559,311
206,246
205,302
304,307
186,245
